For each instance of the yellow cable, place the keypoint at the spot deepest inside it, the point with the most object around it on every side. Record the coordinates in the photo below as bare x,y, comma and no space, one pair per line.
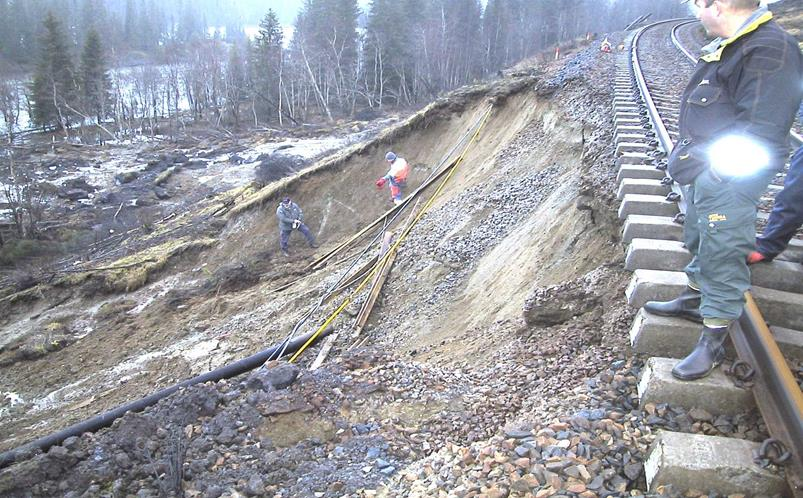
401,238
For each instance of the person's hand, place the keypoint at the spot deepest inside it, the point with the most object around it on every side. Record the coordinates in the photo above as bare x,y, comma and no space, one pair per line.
380,183
296,224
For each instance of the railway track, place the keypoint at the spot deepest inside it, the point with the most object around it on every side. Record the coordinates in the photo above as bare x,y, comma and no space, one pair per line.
646,106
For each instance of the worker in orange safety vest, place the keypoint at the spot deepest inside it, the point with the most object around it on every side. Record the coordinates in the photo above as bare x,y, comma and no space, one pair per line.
396,176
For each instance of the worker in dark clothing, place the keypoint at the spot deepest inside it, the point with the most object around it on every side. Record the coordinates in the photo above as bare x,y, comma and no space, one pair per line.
786,216
735,117
292,218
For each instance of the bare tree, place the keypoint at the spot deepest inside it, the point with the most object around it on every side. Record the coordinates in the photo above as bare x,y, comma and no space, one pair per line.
10,101
24,195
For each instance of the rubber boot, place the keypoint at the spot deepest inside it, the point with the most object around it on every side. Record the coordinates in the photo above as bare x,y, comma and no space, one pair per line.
686,305
707,354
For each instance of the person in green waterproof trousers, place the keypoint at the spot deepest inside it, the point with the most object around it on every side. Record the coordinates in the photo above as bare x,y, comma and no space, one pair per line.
735,117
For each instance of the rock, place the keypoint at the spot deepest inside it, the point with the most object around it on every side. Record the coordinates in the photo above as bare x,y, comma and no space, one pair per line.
157,165
58,452
71,443
277,375
213,491
546,492
572,471
122,460
619,484
518,434
226,436
497,492
584,203
79,183
633,471
194,164
255,486
558,304
107,197
581,422
277,166
700,415
180,158
576,488
161,193
72,194
126,177
596,483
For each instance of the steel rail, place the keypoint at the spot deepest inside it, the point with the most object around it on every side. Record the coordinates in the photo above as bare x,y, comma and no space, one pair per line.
777,394
661,132
678,44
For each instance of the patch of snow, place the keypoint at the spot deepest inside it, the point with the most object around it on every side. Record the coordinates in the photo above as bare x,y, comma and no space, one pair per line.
135,363
13,398
200,350
59,396
158,289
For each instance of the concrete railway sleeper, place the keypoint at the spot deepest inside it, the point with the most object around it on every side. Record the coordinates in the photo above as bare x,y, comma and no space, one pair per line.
652,209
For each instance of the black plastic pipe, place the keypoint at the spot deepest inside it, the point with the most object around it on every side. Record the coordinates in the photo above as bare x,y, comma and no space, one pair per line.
106,419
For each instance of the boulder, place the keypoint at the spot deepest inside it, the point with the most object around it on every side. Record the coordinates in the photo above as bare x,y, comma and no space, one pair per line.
126,177
161,193
194,164
274,375
72,194
79,183
277,166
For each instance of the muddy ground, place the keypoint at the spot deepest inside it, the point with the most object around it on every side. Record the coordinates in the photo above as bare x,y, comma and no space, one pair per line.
501,334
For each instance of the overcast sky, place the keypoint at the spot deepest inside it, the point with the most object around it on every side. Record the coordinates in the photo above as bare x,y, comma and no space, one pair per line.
286,9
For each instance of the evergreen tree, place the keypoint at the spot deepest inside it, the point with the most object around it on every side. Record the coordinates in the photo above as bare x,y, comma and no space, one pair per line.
266,66
130,24
235,83
189,27
54,86
95,84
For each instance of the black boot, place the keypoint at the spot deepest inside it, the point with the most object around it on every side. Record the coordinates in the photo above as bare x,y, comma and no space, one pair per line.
707,354
686,305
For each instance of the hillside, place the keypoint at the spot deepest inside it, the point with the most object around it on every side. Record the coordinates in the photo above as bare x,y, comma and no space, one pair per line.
502,307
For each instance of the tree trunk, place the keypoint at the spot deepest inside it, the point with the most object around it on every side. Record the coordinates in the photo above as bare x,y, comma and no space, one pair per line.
315,84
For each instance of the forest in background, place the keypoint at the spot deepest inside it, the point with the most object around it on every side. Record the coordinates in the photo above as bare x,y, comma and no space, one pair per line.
339,62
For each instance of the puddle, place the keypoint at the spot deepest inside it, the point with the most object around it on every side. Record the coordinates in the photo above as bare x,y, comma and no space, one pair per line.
288,429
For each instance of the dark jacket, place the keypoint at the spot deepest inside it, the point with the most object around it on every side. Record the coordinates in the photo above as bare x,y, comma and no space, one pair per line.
287,215
751,85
